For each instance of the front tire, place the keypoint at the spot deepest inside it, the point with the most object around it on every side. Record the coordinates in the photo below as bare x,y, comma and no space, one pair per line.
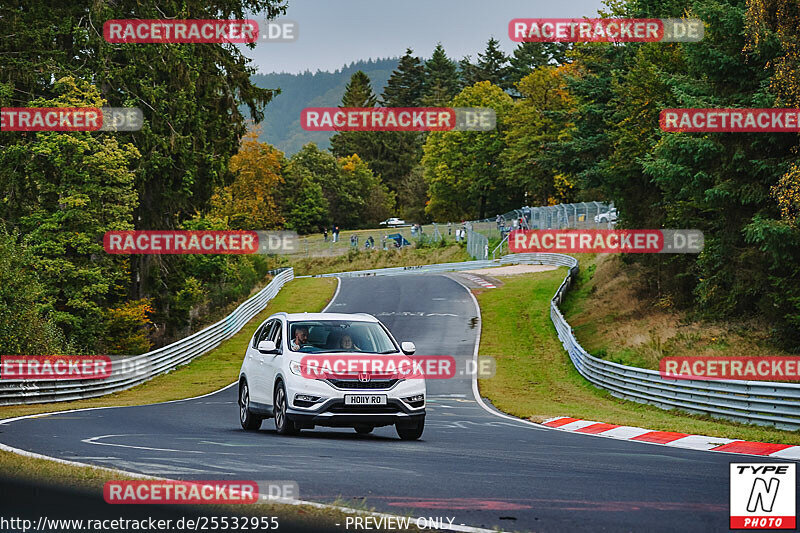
248,420
411,432
283,425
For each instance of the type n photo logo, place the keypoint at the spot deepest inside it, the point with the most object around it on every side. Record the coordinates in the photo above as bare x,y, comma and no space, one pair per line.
763,495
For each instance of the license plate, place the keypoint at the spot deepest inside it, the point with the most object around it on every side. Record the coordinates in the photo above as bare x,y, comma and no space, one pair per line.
365,399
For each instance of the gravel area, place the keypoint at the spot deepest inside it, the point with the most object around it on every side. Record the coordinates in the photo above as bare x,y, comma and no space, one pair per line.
512,270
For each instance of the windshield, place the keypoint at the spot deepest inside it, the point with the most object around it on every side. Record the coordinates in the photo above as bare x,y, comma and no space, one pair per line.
332,336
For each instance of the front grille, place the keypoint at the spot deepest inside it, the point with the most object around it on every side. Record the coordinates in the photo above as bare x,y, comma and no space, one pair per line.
341,408
355,384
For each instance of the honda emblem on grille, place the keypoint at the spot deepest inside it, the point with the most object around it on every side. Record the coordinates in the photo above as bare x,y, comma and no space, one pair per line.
363,377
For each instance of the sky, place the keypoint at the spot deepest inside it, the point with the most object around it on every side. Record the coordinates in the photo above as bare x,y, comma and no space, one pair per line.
333,33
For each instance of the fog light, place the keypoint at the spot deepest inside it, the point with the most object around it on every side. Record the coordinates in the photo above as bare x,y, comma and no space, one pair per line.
417,398
306,398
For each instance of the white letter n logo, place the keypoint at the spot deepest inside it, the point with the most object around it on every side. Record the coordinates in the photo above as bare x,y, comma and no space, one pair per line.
763,495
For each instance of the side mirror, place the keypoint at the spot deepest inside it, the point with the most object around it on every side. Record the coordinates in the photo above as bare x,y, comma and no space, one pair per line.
408,348
268,347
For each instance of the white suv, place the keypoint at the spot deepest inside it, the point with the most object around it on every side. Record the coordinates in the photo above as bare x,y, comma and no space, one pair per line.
275,380
608,216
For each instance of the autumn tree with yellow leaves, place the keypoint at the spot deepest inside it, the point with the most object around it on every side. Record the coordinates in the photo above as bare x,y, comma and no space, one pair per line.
249,203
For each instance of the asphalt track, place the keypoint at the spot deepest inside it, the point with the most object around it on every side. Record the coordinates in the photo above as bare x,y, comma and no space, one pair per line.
483,469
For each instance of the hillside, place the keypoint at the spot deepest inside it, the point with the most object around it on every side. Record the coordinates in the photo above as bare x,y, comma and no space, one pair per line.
281,126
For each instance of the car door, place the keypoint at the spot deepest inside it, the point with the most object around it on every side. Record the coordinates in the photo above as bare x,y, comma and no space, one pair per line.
273,362
256,375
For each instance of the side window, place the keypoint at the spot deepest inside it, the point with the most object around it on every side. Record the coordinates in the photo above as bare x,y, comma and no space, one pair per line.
263,333
277,334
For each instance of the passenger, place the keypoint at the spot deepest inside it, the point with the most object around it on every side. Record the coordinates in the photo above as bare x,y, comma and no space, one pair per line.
346,343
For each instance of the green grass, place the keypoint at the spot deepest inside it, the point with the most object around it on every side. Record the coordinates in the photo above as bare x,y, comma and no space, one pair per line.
363,260
314,245
535,378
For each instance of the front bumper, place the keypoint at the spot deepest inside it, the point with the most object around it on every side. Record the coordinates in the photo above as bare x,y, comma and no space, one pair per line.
334,413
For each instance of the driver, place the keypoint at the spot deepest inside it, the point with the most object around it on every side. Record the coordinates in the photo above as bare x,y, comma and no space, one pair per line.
300,338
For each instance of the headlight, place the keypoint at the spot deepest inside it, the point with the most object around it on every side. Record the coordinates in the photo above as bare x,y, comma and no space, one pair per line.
296,368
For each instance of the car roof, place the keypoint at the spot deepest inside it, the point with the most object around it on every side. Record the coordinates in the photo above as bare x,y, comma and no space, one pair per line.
357,317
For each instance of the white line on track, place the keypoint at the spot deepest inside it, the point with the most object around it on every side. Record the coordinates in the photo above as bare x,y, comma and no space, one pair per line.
94,440
475,392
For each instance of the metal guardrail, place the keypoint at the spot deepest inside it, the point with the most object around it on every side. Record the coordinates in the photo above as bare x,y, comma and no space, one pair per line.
421,269
754,402
128,372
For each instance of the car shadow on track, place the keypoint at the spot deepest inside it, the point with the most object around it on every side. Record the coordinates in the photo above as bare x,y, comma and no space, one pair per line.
322,434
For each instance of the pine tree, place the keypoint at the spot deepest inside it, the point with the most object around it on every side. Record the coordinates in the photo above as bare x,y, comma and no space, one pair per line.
468,72
493,64
357,93
441,79
401,150
405,85
530,56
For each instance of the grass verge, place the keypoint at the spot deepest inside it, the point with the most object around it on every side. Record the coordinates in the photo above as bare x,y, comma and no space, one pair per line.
535,378
205,374
363,260
208,372
614,318
91,480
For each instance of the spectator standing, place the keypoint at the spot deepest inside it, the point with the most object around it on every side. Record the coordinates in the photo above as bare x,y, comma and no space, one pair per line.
325,233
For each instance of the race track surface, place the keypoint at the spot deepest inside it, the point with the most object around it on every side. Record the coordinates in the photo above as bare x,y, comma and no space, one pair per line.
483,469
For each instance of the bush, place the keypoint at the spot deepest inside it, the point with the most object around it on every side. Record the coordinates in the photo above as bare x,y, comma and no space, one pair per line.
24,330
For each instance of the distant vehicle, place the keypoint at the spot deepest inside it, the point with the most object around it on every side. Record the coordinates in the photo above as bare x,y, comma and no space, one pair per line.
393,222
609,216
399,240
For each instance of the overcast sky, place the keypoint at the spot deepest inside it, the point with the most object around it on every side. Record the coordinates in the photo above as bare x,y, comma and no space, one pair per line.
337,32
